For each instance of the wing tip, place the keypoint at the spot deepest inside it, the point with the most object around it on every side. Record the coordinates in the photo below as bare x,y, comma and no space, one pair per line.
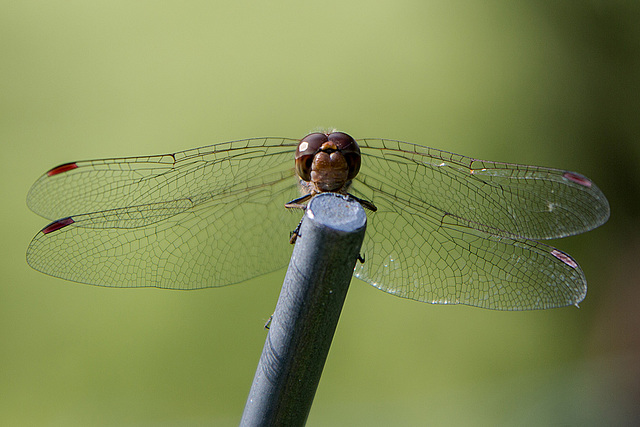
62,168
57,225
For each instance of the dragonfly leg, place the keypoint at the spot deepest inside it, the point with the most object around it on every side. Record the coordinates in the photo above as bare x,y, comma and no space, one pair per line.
267,325
297,203
365,203
295,233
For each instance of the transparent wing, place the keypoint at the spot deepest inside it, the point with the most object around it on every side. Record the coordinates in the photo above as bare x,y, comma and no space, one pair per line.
528,201
199,218
454,230
437,258
449,229
200,173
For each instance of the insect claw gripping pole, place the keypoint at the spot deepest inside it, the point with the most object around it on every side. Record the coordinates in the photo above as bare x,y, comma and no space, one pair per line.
307,312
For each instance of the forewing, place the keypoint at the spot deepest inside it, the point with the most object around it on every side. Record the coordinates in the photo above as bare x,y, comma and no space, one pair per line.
528,201
197,174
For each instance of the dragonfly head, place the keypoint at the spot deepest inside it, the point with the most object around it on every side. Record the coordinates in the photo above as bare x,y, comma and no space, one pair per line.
329,160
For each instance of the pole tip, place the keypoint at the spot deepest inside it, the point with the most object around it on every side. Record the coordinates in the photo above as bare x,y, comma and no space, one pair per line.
336,211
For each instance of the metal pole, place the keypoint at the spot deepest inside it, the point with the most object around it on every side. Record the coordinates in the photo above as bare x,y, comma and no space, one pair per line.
307,312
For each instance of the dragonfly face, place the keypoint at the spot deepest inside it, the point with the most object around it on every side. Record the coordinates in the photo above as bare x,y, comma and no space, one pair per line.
443,228
328,161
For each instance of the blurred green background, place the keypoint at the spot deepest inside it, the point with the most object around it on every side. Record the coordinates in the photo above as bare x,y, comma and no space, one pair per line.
545,83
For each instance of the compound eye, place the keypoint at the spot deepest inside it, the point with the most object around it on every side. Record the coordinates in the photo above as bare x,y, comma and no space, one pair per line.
307,149
353,161
342,140
349,149
310,144
303,167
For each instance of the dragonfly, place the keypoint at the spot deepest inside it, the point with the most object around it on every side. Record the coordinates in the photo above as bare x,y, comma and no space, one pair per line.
442,228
